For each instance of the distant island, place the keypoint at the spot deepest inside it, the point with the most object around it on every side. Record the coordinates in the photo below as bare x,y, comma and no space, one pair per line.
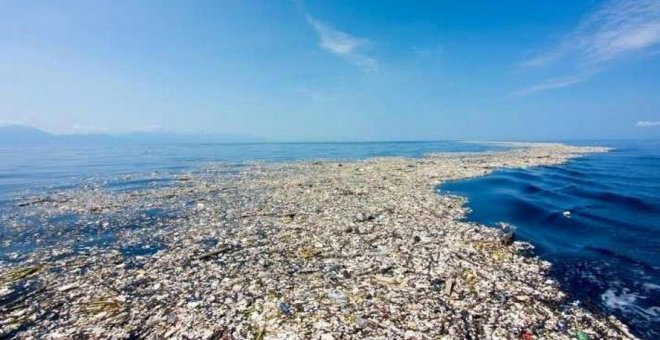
21,134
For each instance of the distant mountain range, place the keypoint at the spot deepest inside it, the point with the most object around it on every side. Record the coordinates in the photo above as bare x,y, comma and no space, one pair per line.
20,134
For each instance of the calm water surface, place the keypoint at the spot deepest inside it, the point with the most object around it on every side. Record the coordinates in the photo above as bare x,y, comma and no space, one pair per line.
39,167
597,219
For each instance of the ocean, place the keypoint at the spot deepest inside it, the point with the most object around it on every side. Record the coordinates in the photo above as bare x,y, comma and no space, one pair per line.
40,167
596,218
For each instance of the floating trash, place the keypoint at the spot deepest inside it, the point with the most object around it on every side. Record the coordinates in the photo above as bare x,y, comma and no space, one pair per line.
324,250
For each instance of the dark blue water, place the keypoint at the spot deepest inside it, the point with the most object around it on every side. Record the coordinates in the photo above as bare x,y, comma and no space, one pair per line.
596,218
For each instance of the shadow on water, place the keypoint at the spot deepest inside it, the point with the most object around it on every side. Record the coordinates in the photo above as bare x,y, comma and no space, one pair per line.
596,218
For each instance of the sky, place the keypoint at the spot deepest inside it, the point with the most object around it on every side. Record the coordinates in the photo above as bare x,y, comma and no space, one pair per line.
303,70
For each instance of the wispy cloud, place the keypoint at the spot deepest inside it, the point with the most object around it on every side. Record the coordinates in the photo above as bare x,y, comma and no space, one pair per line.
342,44
616,30
551,84
647,124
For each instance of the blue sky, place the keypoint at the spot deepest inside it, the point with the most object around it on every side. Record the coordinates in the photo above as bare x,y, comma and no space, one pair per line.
335,70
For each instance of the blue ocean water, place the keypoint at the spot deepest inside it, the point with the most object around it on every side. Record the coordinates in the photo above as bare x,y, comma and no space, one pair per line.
596,218
39,167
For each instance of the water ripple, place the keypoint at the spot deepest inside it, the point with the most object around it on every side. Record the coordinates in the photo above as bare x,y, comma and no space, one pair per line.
596,218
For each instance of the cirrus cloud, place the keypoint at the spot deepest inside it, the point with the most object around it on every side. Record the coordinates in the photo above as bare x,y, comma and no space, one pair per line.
618,29
344,45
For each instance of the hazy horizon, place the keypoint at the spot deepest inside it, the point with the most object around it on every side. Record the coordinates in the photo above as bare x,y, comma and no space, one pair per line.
334,71
156,136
